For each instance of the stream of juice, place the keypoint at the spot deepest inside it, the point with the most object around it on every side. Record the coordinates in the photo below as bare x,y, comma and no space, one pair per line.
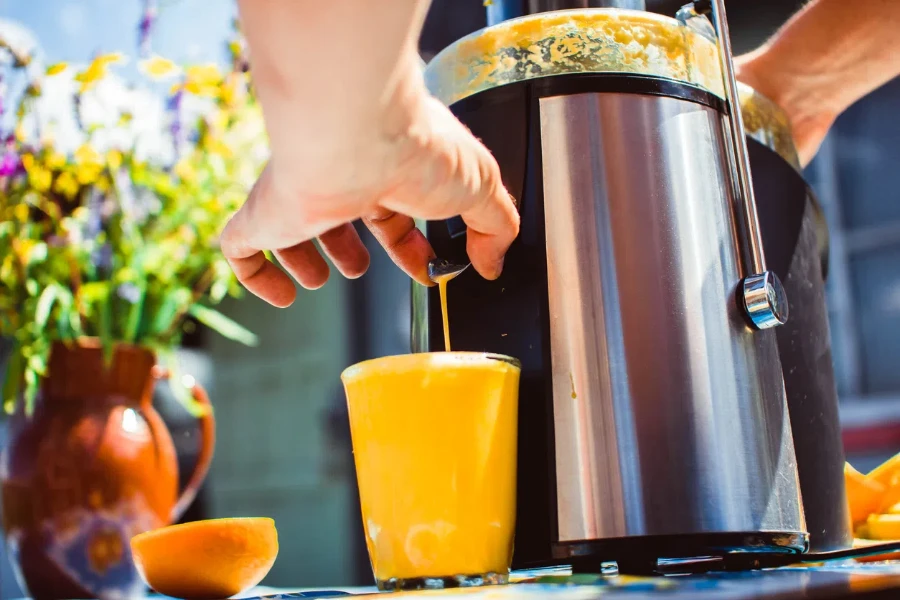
442,287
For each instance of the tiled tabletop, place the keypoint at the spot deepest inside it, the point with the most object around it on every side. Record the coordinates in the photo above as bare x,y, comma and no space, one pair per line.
845,580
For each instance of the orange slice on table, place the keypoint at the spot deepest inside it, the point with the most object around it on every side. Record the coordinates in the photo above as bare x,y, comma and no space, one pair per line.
202,560
886,472
864,495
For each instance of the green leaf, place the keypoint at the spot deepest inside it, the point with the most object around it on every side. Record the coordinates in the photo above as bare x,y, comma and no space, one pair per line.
97,298
12,382
135,313
75,323
65,301
38,363
218,291
45,304
175,304
105,329
32,381
94,291
222,324
7,229
176,383
38,253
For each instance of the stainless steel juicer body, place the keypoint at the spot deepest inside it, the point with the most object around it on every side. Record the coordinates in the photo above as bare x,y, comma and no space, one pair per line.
653,420
669,412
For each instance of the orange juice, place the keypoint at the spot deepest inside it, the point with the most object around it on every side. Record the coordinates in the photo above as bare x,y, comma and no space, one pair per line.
434,440
442,288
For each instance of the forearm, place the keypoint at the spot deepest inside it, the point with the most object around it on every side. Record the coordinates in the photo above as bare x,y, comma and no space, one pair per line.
830,54
333,76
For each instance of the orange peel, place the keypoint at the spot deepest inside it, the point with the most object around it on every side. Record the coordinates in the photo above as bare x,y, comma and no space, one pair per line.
202,560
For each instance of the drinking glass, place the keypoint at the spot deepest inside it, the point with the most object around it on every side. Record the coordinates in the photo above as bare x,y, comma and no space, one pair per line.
434,441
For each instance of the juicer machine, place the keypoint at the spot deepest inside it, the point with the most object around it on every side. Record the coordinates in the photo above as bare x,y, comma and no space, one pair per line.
663,359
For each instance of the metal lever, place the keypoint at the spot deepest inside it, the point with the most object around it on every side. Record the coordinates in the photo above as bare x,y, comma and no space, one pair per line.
762,294
438,269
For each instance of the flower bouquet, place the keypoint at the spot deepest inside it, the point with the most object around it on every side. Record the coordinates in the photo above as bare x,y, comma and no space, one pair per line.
112,198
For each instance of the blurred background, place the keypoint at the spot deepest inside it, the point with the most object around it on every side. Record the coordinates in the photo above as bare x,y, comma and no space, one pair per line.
283,442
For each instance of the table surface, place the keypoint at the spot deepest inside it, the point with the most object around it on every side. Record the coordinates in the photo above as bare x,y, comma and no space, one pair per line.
847,580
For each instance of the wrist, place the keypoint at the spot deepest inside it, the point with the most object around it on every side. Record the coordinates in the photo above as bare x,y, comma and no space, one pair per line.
805,94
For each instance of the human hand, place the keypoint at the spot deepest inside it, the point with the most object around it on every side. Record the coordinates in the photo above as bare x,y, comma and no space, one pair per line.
811,116
416,161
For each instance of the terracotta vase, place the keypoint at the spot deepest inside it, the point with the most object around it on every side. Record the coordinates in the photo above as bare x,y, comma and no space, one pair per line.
90,468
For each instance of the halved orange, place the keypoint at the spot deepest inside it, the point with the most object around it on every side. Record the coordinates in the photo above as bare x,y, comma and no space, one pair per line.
217,558
886,472
864,495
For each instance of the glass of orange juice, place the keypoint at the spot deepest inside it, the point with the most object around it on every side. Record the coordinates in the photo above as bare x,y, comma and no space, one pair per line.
434,441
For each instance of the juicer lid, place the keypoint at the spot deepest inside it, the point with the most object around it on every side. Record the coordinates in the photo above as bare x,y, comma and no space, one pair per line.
602,40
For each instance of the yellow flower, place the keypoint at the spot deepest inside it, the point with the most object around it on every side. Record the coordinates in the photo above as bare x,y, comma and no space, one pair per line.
23,248
56,69
40,179
97,70
114,159
88,164
88,173
215,145
87,154
7,270
39,176
185,170
21,212
158,67
112,58
67,185
203,80
54,160
230,89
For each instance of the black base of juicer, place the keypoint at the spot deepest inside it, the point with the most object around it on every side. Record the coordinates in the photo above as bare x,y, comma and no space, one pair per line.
706,553
656,554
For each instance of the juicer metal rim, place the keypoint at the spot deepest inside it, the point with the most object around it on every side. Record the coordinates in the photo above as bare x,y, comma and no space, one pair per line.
601,40
592,83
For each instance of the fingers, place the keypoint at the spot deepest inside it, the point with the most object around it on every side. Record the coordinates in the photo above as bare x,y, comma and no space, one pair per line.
250,266
305,264
493,225
405,244
255,272
263,223
342,245
346,250
492,217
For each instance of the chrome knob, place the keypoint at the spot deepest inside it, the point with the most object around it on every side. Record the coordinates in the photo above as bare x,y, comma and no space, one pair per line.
764,300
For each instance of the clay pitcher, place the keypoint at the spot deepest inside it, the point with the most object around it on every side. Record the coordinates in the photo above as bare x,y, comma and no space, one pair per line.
93,466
